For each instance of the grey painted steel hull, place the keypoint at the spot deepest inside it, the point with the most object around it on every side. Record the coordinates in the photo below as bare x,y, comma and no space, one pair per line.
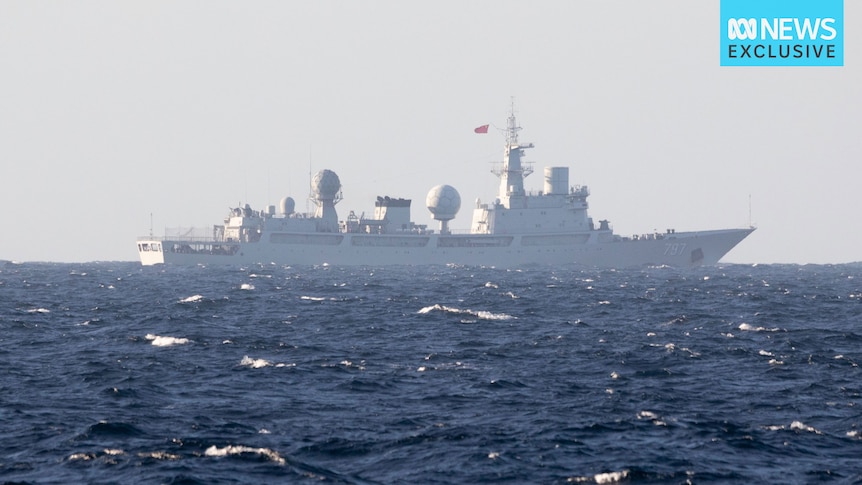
682,249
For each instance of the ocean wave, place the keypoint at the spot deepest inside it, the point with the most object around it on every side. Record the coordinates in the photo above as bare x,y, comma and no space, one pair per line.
160,341
794,426
261,363
390,388
158,455
254,363
745,327
651,416
481,314
601,478
611,477
95,455
231,450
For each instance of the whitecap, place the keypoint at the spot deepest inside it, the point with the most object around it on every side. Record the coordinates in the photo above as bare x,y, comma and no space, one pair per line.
159,455
647,415
765,353
491,316
192,299
611,477
239,450
82,456
800,426
748,327
254,363
160,341
312,298
842,357
494,455
87,456
246,286
38,310
347,363
656,420
491,285
485,315
429,309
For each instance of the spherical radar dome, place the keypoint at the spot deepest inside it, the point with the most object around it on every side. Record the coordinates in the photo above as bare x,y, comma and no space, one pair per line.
325,185
287,206
443,201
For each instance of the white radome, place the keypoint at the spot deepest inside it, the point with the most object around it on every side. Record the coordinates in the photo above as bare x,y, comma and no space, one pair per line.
325,185
444,202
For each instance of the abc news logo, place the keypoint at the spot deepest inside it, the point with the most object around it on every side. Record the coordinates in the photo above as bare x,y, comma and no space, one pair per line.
782,33
781,29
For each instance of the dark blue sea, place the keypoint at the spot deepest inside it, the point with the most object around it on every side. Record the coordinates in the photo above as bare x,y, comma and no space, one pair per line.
117,373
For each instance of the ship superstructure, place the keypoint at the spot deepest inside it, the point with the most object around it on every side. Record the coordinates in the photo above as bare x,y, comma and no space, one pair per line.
518,228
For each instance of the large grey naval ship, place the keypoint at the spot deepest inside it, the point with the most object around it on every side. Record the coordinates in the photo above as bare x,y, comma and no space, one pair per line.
551,227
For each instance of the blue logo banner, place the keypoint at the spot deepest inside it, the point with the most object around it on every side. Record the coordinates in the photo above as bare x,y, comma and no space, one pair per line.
782,32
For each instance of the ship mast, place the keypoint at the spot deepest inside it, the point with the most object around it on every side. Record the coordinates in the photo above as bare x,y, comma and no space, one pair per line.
513,172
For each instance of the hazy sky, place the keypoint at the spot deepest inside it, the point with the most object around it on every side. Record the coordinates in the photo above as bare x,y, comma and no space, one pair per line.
113,111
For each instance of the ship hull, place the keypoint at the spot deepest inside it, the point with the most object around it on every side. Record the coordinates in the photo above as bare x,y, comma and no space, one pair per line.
686,249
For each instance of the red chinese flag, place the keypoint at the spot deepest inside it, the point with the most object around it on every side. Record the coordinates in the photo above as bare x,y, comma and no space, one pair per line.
481,129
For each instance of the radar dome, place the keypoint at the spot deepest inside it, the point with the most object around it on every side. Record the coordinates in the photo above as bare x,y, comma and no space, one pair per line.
443,201
325,185
287,206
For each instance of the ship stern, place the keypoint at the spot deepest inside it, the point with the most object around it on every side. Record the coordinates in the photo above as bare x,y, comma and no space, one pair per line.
151,252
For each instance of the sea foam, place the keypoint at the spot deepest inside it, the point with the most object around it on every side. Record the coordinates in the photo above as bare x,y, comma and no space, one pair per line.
482,314
239,450
160,341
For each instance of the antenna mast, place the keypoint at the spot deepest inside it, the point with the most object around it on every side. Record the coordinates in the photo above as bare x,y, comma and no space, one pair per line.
513,171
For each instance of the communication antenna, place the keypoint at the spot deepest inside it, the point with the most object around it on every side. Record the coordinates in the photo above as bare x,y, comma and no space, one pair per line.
151,224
